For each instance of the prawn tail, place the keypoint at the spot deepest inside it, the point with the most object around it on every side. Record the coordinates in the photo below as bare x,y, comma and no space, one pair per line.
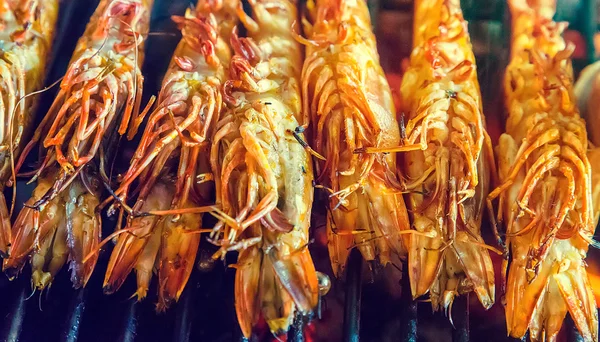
522,297
50,257
297,274
131,249
339,246
480,270
126,252
277,305
32,227
274,288
424,264
576,291
566,290
247,278
83,233
177,255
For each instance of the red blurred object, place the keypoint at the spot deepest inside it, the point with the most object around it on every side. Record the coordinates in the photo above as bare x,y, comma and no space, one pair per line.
395,80
576,38
394,39
310,332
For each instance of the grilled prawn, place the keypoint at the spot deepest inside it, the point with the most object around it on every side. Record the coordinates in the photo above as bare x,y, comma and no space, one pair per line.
351,109
98,96
171,163
263,174
447,161
27,28
545,199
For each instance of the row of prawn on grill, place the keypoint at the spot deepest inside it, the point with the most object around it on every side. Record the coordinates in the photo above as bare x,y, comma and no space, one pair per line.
248,128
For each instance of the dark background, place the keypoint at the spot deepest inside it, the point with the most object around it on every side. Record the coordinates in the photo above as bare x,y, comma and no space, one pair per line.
206,309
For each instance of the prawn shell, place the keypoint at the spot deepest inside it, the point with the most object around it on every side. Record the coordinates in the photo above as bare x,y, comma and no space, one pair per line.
546,195
28,28
447,161
348,107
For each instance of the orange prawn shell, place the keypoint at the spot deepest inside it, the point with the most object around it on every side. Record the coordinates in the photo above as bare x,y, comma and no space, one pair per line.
100,92
546,199
349,104
172,154
33,48
22,69
263,173
447,140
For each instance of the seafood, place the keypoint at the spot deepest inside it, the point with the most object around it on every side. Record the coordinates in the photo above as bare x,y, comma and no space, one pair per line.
98,96
171,163
546,197
263,174
447,160
27,37
350,106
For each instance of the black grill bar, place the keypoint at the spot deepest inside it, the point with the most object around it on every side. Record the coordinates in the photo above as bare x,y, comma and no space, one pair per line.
296,332
75,313
14,320
353,297
130,323
185,313
460,317
409,317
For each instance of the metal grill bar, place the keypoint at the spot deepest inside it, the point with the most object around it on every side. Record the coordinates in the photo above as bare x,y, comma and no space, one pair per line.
573,334
296,332
14,323
353,297
185,313
409,315
589,26
74,315
197,311
460,315
130,323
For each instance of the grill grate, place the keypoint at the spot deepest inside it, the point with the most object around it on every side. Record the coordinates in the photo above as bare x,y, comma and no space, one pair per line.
355,309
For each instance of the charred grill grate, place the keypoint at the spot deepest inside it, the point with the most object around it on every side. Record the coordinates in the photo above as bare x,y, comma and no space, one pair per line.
355,309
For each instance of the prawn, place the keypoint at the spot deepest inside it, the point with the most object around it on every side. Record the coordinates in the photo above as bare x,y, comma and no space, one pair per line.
546,196
448,156
27,33
263,174
171,163
348,107
98,96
